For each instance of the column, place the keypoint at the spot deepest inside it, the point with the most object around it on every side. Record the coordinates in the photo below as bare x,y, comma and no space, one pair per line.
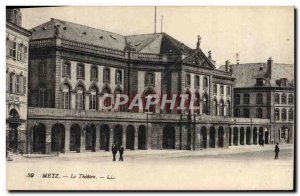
251,135
177,137
111,136
239,135
245,134
97,144
232,136
208,136
149,137
217,136
67,137
124,137
197,136
136,129
48,139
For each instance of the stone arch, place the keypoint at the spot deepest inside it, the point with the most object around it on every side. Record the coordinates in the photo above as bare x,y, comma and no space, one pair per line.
261,135
204,137
90,137
80,83
248,135
168,137
75,137
118,89
212,137
106,89
58,138
130,135
221,137
39,139
104,137
118,135
142,137
242,136
235,136
229,136
66,82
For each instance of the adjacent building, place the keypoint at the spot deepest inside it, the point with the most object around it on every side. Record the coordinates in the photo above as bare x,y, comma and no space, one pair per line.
266,90
17,44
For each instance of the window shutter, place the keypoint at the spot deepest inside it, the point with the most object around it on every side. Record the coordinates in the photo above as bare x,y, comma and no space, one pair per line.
7,47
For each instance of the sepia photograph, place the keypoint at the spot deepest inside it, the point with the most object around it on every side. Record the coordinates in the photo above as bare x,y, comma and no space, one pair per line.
150,98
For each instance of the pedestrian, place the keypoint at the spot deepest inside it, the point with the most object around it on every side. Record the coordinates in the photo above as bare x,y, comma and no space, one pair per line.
114,151
121,151
276,151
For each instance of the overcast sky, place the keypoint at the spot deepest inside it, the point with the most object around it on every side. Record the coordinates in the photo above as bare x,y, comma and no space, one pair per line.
256,33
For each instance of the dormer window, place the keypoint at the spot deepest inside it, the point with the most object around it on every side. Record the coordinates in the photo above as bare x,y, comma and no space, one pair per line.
283,82
260,81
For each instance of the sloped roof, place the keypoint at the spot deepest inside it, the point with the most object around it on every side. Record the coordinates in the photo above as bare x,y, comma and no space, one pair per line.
246,74
155,43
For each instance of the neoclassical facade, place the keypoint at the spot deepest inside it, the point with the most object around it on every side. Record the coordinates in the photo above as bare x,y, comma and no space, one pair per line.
17,44
72,66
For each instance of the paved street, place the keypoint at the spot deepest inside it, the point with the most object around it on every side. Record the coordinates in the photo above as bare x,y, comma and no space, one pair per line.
242,167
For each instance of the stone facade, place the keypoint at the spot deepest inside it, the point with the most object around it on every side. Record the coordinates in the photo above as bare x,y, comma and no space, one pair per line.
17,44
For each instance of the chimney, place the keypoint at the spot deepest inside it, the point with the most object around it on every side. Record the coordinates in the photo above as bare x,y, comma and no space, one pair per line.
227,64
269,67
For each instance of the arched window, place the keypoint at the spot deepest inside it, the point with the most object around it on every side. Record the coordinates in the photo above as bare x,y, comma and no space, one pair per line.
246,99
80,98
291,99
222,108
259,98
94,73
205,104
276,98
291,114
283,114
66,97
42,96
215,107
149,79
93,98
283,98
276,114
259,113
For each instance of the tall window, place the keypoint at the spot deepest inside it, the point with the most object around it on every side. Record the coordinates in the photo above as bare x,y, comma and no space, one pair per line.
66,97
43,69
93,99
283,114
66,69
283,99
106,75
12,49
259,98
228,108
205,82
276,114
107,101
80,71
237,99
277,98
291,114
188,80
94,73
205,104
228,91
17,83
246,113
197,81
291,99
120,107
24,85
246,99
259,113
215,89
19,52
215,107
42,96
149,79
237,112
11,82
118,77
80,98
222,108
222,89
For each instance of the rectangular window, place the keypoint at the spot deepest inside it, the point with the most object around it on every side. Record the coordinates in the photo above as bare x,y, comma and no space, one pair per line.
94,73
80,71
237,99
93,102
237,112
187,79
106,75
222,90
215,89
17,84
119,77
66,104
13,50
19,52
80,101
66,69
228,91
197,81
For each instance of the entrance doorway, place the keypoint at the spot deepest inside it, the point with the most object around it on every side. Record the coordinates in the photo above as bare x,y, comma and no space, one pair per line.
75,134
168,137
58,138
39,139
142,138
212,137
104,137
130,137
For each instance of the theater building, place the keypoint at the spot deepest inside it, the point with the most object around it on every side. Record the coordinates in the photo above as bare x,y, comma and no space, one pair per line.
17,42
72,66
266,90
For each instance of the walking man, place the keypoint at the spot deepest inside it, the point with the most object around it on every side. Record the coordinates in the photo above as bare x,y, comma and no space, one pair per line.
121,151
114,151
276,151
